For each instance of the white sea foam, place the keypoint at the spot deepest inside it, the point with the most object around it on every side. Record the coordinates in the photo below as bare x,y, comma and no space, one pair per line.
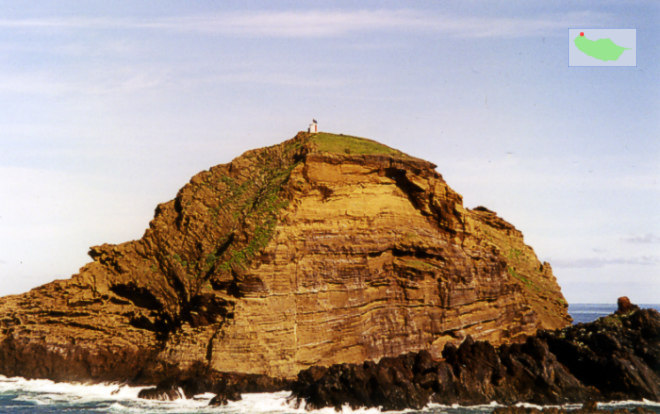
569,406
479,408
266,403
119,398
487,408
114,397
49,393
629,402
280,402
70,389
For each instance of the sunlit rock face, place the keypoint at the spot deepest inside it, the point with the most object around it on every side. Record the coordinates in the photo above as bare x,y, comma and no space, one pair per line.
320,250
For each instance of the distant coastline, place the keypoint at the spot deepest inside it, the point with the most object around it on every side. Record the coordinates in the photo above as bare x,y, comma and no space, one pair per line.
589,312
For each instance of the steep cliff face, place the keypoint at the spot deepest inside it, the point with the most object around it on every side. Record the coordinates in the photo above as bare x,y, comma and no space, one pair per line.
321,250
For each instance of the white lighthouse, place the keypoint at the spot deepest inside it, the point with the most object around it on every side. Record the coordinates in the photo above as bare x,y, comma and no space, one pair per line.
313,127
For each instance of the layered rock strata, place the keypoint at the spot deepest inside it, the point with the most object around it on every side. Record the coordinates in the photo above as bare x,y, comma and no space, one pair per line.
323,249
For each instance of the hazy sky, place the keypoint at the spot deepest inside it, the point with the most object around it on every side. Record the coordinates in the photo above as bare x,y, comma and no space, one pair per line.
108,108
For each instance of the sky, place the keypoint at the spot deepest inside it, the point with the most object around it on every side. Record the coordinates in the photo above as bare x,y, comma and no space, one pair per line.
108,108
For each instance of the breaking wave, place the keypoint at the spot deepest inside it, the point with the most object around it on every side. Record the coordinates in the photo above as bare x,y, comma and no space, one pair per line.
20,395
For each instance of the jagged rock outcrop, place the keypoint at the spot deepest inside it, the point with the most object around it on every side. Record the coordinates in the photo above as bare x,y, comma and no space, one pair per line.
201,379
613,358
323,249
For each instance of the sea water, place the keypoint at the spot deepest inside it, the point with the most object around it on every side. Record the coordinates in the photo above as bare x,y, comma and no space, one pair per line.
588,312
19,395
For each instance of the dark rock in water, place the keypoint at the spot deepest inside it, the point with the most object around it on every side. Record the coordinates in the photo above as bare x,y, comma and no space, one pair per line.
224,397
218,400
201,379
624,305
619,354
613,358
161,393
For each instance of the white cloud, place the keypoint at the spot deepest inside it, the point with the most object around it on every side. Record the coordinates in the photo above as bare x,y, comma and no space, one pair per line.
596,262
647,238
101,82
330,23
127,81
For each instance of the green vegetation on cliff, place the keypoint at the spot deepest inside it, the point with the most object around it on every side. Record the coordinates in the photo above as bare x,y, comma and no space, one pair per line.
347,144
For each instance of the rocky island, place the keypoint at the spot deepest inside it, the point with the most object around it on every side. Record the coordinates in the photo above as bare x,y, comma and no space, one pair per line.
263,273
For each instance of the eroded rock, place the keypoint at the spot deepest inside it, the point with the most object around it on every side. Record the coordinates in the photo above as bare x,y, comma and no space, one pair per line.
614,358
161,393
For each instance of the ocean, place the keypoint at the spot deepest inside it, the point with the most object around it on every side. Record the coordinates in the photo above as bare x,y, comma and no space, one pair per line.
18,395
588,312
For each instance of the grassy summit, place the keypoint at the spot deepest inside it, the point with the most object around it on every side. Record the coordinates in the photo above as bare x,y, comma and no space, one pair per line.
346,144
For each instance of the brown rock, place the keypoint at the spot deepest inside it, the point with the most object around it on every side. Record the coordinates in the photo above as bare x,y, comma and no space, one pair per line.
161,393
624,305
289,256
224,397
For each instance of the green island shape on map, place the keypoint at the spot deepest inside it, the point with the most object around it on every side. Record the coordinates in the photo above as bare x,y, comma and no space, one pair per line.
602,49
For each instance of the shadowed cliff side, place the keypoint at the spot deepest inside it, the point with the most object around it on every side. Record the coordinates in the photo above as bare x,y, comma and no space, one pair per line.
323,249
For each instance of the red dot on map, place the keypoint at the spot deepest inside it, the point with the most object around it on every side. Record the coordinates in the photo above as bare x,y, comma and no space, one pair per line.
581,33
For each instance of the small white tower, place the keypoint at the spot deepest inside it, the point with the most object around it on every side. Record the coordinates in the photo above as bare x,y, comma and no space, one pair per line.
313,127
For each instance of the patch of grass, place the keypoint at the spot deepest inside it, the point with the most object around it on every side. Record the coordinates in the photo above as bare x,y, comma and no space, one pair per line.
514,254
242,205
234,193
346,144
258,201
181,261
211,258
612,321
527,282
409,235
420,265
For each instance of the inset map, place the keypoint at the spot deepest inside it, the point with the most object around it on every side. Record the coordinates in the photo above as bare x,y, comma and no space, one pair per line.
602,47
